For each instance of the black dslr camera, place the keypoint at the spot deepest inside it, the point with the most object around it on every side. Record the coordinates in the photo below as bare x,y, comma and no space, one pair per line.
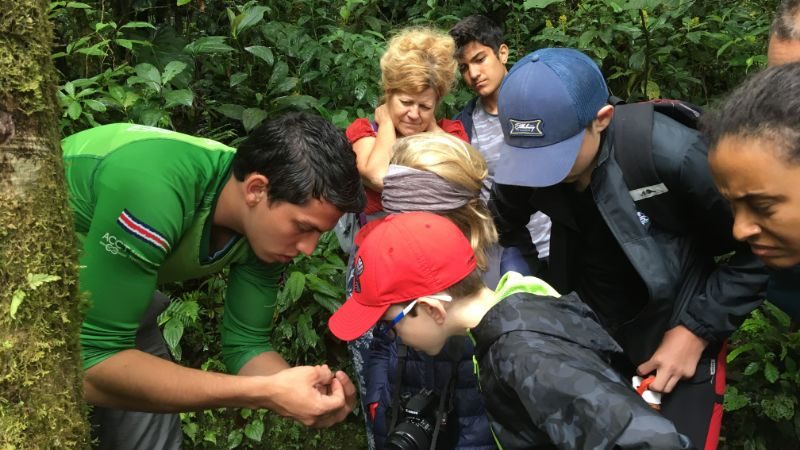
418,427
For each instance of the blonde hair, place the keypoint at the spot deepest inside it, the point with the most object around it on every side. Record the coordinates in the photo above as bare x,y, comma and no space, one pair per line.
458,163
417,59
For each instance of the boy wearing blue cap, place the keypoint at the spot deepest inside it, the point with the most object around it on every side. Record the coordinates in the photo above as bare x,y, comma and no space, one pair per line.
482,54
659,292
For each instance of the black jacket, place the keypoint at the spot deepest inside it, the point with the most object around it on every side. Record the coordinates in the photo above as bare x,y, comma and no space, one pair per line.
544,372
686,285
465,116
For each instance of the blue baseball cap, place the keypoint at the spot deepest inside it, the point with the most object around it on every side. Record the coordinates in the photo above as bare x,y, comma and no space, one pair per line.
545,104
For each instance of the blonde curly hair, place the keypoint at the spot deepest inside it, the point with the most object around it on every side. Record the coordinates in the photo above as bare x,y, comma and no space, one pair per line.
458,163
419,58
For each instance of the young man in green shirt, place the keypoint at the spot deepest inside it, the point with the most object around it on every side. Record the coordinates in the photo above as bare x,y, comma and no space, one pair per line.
154,206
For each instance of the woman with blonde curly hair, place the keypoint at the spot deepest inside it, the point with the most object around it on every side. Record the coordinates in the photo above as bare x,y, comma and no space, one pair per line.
439,173
417,70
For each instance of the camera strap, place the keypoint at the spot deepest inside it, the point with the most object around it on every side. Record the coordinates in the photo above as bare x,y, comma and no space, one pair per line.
455,350
402,354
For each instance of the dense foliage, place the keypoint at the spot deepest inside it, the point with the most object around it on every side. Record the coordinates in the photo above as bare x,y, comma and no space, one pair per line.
218,68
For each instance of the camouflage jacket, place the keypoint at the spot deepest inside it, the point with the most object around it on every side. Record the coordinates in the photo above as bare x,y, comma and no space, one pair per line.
544,373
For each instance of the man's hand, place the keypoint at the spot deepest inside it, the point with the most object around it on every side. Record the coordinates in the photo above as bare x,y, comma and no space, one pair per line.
382,116
314,396
675,358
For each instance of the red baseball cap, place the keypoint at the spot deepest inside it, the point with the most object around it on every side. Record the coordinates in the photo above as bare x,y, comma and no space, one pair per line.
400,258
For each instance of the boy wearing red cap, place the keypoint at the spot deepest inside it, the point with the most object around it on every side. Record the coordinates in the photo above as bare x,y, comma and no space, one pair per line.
542,360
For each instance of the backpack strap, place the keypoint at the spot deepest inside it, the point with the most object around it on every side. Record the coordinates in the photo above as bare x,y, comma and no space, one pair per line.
633,150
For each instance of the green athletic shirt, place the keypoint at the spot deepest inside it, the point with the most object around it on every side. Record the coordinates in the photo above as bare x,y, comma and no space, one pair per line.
143,199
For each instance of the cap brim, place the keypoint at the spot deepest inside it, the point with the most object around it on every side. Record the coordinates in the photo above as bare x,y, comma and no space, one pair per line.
354,319
537,166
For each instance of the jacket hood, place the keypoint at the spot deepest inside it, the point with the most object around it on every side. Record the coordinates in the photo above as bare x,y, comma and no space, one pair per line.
565,317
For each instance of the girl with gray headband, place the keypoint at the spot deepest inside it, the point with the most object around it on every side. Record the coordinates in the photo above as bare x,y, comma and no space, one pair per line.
439,173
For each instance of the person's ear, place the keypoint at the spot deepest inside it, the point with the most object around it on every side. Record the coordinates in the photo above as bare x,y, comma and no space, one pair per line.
502,53
603,118
255,188
433,308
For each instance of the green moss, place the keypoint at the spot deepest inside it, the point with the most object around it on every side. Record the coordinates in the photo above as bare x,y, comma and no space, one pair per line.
25,39
41,406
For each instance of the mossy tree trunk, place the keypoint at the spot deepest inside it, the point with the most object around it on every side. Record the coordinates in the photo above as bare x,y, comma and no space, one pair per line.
41,400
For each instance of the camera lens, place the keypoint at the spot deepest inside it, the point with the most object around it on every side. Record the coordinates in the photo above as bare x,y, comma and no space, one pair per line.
409,436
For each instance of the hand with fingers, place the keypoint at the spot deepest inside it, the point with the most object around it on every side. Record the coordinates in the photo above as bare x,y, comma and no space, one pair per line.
675,359
314,396
382,116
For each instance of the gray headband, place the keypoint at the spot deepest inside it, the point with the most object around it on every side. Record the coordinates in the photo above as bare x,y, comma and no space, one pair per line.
407,189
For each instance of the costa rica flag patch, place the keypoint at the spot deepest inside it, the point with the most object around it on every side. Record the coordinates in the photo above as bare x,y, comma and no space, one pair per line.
141,230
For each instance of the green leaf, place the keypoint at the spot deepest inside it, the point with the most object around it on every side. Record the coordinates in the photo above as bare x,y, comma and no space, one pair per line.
652,90
752,368
138,25
636,60
77,5
16,300
231,111
148,72
294,101
331,304
150,116
69,88
734,400
116,92
264,53
173,332
294,286
254,430
738,351
779,407
92,51
190,429
126,43
316,284
251,117
237,78
183,2
586,38
235,439
210,436
207,45
74,110
130,99
177,97
771,372
538,4
287,84
95,105
172,69
248,18
279,73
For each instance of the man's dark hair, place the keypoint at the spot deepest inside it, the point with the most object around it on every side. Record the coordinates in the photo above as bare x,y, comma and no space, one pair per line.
766,106
477,28
303,156
786,24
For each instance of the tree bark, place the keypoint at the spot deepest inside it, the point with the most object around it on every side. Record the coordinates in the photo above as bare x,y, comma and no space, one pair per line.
41,397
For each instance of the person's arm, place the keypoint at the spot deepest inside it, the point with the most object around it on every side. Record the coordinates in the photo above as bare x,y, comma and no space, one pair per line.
511,211
374,153
578,400
723,297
